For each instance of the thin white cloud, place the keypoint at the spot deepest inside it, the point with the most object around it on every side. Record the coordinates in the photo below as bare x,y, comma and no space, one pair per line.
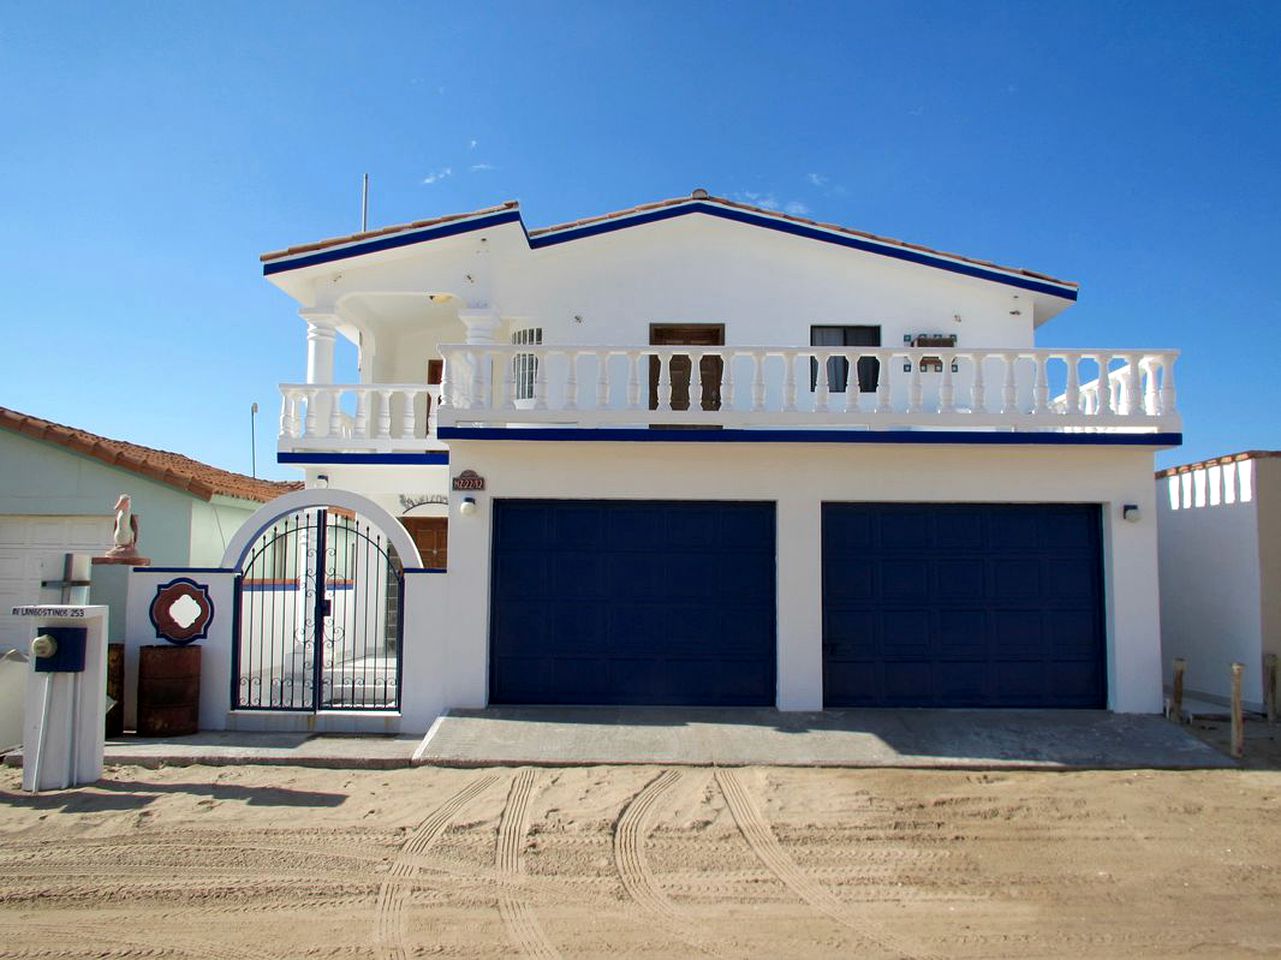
817,179
766,200
478,167
471,144
796,208
438,175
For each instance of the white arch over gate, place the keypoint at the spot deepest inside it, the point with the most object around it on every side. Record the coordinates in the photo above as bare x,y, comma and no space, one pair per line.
269,513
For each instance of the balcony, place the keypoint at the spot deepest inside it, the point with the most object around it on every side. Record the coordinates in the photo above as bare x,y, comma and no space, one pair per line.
589,387
373,417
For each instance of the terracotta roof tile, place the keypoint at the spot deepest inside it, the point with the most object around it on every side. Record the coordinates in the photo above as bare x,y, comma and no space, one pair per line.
1218,462
173,469
382,231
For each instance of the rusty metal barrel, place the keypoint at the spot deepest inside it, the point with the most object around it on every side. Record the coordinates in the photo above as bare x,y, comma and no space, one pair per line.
116,689
168,690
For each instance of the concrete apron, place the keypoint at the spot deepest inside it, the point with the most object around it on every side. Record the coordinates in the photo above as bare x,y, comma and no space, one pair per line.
583,736
960,739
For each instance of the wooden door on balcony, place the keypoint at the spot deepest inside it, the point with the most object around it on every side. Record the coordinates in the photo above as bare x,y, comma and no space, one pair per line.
431,537
709,368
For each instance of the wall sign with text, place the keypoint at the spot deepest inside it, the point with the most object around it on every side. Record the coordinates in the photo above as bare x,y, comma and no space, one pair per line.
469,480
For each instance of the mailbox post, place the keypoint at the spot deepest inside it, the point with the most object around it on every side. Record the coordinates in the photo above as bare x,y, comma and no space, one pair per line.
63,730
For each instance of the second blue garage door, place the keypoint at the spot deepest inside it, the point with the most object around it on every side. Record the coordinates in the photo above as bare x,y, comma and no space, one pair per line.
624,602
963,605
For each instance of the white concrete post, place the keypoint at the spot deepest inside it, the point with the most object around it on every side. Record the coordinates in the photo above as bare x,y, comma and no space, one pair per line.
800,604
64,726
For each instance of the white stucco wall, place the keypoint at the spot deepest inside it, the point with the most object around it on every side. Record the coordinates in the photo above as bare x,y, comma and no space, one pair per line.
1220,532
766,287
799,478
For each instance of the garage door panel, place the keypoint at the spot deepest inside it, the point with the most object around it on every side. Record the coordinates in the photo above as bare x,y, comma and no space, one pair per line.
904,579
962,633
1004,606
855,581
647,603
960,580
906,633
1015,579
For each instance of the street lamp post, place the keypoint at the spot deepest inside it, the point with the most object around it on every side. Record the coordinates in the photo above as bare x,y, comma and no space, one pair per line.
253,439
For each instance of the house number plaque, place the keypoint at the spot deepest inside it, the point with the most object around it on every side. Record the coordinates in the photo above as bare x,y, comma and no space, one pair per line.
469,480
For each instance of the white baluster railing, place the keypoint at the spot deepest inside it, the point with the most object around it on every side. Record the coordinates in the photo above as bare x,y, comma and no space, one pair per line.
1021,389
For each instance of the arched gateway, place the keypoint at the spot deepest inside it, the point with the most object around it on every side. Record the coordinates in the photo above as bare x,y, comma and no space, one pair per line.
319,604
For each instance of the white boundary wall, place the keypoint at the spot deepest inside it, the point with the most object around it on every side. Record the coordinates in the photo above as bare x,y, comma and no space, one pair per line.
1220,567
799,478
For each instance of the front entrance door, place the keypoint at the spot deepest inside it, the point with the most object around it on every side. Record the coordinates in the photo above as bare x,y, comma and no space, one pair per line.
431,537
694,334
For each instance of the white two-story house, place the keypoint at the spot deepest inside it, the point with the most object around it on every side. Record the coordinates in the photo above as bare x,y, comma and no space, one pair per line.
697,452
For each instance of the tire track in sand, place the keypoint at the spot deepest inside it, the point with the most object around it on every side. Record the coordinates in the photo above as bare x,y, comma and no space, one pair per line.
756,831
390,942
523,929
633,867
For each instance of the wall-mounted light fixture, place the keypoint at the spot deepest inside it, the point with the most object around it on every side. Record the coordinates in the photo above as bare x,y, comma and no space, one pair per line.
322,481
1131,513
468,507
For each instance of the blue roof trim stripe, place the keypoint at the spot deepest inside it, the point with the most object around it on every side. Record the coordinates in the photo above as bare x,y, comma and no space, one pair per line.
811,233
390,242
908,255
626,435
439,457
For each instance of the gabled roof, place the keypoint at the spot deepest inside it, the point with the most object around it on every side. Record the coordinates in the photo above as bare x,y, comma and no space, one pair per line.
699,202
191,476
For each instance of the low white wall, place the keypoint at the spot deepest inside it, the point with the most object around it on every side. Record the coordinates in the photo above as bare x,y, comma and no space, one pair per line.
215,654
1212,594
799,478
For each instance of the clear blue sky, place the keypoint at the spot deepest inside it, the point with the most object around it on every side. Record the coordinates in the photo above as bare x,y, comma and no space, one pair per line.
150,152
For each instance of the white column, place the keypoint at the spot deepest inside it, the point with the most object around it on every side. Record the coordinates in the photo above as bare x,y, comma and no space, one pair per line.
800,603
322,331
482,323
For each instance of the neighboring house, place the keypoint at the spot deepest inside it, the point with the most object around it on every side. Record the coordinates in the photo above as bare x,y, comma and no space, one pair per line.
58,489
876,491
1220,530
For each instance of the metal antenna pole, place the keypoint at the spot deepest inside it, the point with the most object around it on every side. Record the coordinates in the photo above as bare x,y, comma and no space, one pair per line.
364,204
253,439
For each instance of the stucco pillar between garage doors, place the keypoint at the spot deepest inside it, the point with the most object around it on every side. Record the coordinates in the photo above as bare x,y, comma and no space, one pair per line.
799,606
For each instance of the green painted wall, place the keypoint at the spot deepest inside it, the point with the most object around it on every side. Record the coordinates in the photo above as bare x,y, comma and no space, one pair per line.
175,528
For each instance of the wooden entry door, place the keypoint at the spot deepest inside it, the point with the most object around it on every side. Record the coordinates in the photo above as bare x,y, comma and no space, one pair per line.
709,368
431,537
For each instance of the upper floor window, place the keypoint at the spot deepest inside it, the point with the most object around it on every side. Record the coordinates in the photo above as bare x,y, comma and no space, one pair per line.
525,365
838,368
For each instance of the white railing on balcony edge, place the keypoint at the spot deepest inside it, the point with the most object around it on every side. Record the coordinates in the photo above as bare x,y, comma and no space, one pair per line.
904,388
379,416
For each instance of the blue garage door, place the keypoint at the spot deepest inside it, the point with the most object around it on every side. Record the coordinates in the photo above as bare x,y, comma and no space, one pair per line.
962,605
623,602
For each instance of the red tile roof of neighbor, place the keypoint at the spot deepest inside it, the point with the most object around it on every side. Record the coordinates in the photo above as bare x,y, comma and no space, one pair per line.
175,470
699,196
1218,462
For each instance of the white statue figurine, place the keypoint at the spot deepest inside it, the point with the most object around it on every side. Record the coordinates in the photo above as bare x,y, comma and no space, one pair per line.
126,534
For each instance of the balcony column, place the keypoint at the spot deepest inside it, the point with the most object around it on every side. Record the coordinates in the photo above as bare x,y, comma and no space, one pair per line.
322,332
482,323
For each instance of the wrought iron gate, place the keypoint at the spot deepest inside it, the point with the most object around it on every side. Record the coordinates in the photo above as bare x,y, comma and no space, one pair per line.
319,608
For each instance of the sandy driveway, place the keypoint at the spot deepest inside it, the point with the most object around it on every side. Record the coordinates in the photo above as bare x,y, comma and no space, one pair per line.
270,862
